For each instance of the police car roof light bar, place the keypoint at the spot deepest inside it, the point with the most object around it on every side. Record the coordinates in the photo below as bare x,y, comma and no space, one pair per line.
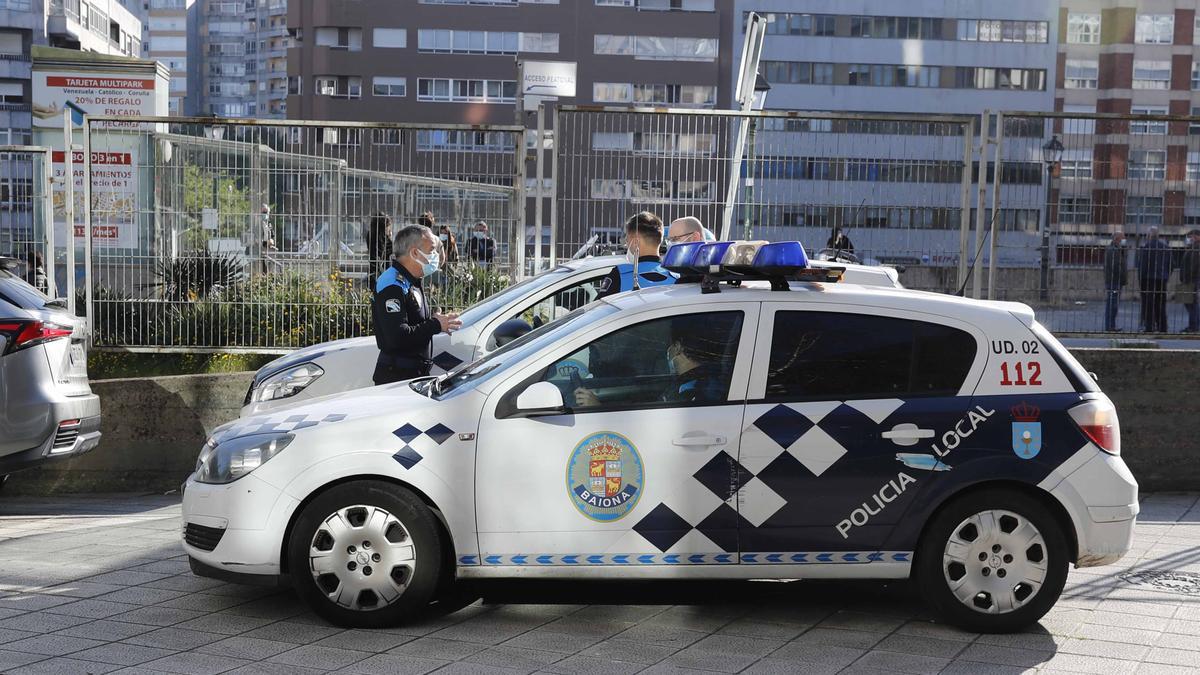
737,261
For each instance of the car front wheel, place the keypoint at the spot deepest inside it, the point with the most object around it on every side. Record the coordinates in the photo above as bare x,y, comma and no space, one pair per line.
993,562
366,554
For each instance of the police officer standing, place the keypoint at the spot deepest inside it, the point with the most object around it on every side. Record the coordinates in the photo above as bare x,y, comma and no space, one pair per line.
404,325
643,237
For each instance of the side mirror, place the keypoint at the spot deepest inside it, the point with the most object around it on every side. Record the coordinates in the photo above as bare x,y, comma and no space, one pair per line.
540,398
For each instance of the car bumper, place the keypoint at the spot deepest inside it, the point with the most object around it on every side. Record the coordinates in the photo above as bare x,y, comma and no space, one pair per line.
59,440
236,528
1101,497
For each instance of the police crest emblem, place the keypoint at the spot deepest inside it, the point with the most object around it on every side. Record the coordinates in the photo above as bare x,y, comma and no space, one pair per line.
1027,430
604,476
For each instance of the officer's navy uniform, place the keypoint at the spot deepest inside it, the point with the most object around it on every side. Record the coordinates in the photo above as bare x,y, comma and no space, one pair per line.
703,384
404,329
650,272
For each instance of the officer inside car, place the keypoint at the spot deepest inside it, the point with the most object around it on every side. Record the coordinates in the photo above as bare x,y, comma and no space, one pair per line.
643,237
404,324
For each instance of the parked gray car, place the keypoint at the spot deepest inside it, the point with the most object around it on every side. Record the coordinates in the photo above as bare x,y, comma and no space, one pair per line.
47,408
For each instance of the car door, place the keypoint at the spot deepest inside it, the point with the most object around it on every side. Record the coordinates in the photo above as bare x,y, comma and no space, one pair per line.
546,306
641,469
846,409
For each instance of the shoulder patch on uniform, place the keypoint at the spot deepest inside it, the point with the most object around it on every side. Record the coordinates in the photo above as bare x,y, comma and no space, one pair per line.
393,305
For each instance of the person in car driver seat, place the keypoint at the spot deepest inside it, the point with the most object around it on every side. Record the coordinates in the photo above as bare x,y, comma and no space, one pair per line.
643,237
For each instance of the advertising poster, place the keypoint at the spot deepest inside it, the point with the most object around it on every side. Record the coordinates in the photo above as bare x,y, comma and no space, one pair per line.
114,198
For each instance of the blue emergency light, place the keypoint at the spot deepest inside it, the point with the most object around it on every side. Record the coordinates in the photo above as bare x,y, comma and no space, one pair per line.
737,261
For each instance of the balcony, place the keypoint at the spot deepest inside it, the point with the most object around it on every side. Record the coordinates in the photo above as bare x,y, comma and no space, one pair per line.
15,66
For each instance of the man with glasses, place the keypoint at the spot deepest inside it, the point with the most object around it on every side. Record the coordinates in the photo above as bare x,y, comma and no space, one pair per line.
687,229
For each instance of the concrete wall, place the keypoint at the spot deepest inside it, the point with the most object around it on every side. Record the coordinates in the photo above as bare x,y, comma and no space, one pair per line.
154,427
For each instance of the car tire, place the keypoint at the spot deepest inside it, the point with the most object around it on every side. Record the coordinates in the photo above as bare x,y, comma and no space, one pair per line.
992,562
366,554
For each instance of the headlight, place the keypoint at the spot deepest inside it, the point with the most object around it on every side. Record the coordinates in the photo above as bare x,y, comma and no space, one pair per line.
286,383
228,461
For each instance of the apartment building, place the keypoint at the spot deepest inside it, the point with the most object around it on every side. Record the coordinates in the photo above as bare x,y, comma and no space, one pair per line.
100,26
897,186
1122,56
243,51
170,35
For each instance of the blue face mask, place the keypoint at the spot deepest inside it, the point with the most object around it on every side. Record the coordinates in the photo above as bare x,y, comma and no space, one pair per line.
431,263
671,362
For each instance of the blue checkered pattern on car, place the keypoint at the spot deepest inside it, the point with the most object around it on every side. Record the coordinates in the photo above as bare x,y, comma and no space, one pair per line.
788,558
407,455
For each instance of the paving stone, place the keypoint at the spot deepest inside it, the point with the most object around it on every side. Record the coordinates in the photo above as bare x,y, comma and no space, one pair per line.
8,635
126,578
1173,657
52,645
724,662
287,631
925,646
392,664
592,665
157,615
141,595
663,635
467,668
92,609
762,629
195,663
30,602
228,624
42,622
824,654
438,649
249,648
843,638
201,602
1005,656
109,631
528,660
897,662
268,668
63,666
10,660
175,638
550,641
329,658
122,654
365,640
82,589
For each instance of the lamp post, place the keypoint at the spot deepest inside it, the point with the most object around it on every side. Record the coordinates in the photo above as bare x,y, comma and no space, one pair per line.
1052,153
761,87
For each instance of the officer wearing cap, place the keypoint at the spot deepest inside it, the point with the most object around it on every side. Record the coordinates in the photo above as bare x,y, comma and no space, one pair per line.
404,325
643,237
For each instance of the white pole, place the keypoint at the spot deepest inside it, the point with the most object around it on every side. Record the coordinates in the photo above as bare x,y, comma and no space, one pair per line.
984,131
87,229
48,219
69,206
537,187
554,191
744,101
998,155
519,235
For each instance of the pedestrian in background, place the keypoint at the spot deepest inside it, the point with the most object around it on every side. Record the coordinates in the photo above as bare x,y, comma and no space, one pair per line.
840,242
404,323
1115,277
482,247
1154,269
449,244
1189,280
643,237
35,271
686,230
379,240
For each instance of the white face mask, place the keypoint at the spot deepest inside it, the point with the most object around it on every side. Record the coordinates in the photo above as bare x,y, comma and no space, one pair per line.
479,234
444,237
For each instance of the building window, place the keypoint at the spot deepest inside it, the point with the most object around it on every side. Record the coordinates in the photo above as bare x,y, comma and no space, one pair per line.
1075,210
12,92
1151,74
389,86
996,30
1081,74
1144,210
612,92
798,24
446,90
339,38
664,5
485,42
543,43
338,136
822,73
1083,29
295,85
1193,166
1148,127
657,48
1194,127
1195,74
1191,211
338,86
1078,125
1147,164
390,38
1155,29
1076,164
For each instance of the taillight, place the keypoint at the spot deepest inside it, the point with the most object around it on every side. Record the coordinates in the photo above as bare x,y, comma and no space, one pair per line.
22,334
1097,419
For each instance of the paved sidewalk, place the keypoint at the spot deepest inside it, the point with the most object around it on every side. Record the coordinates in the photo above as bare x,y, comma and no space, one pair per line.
99,585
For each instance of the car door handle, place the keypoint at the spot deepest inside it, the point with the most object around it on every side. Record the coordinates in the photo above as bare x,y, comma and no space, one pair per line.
691,441
907,434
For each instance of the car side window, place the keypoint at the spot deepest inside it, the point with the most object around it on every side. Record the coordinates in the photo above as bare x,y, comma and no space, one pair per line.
682,359
840,356
561,302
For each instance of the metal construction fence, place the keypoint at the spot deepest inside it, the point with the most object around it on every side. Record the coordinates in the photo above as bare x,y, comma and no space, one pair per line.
257,234
1084,178
267,235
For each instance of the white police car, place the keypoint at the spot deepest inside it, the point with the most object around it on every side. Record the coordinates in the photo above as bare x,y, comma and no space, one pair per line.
341,365
704,430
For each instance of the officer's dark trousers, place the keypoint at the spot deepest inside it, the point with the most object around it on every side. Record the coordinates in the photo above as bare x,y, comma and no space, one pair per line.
385,374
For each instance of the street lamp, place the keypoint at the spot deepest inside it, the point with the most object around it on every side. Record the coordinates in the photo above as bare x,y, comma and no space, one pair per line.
758,102
1052,153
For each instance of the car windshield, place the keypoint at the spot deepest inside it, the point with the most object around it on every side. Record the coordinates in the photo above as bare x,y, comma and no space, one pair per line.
492,303
516,351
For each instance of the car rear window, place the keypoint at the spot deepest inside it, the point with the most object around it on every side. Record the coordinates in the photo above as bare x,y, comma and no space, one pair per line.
15,291
1080,378
840,356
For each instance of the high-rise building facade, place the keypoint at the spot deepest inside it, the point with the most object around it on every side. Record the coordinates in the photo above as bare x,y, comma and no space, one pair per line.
101,26
170,35
243,49
1125,56
455,60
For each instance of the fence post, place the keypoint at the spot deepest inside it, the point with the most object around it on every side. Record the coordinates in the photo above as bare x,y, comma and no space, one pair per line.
965,213
48,219
87,229
537,186
982,183
554,192
335,228
520,206
996,183
69,205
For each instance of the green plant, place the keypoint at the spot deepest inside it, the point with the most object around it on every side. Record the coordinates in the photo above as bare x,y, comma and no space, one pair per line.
195,275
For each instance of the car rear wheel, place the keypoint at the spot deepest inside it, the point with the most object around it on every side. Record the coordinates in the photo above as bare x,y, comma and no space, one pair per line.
993,562
366,554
